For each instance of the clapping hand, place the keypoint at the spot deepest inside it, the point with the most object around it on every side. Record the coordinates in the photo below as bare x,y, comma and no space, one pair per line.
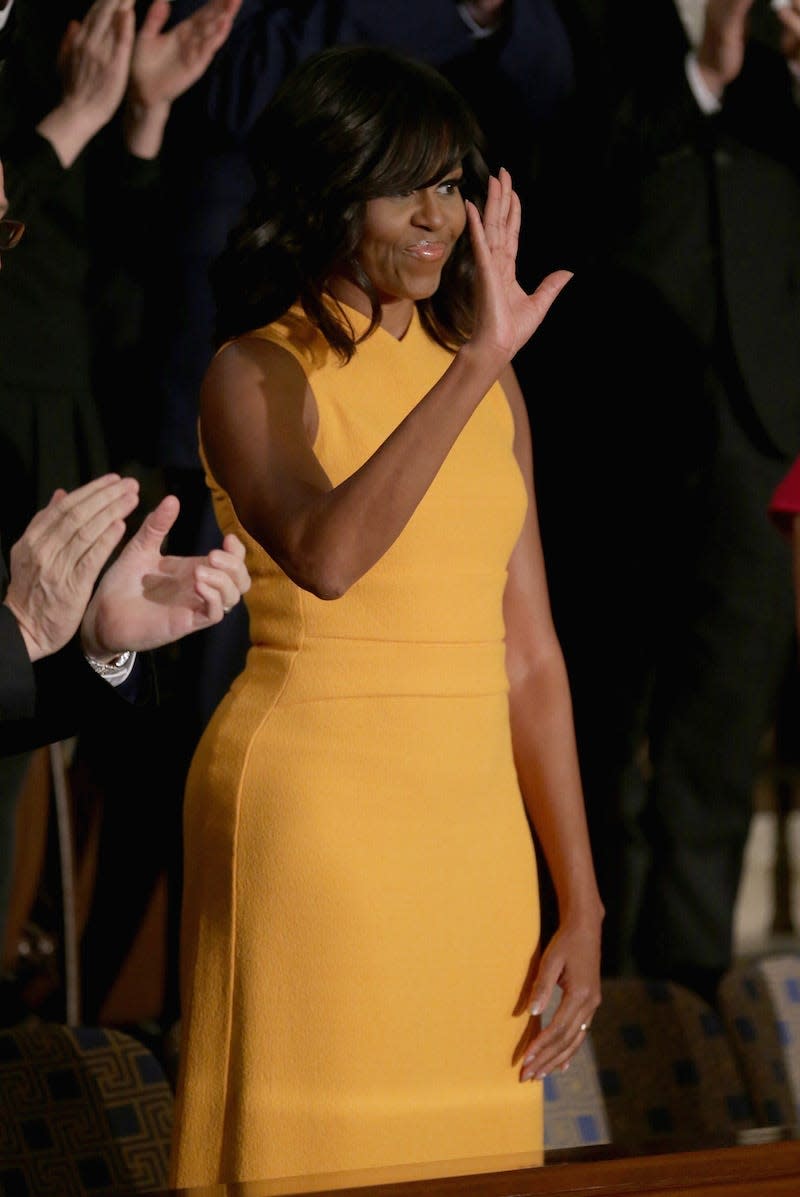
146,599
165,65
56,561
102,57
94,62
506,315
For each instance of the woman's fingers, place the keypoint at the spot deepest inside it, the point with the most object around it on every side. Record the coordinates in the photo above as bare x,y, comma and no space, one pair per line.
501,220
514,222
491,213
506,193
553,1048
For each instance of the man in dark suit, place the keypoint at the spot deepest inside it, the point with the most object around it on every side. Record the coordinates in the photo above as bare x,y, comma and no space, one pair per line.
665,403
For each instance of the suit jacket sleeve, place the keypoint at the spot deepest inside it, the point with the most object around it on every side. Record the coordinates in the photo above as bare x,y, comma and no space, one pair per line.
18,687
69,696
53,698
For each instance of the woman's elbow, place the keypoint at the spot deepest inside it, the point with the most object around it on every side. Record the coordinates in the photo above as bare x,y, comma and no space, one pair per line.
320,572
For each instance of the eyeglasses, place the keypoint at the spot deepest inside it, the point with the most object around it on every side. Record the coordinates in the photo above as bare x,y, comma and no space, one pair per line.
10,233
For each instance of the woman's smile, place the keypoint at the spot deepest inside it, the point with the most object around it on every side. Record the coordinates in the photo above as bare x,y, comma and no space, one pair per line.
427,251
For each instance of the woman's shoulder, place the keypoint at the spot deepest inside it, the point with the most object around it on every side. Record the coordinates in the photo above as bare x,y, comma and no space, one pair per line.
292,333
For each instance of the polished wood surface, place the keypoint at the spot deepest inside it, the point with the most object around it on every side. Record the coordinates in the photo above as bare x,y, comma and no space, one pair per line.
769,1168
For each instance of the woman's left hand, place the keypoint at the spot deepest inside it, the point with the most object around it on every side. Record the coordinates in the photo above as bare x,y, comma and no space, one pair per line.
571,961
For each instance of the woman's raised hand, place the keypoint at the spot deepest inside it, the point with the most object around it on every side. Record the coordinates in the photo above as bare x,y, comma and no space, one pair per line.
506,316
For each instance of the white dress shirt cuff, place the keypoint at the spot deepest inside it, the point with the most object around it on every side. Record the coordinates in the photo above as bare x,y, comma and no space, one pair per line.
707,102
475,29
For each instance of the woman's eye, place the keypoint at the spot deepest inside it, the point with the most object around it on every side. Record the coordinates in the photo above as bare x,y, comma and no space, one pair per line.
450,186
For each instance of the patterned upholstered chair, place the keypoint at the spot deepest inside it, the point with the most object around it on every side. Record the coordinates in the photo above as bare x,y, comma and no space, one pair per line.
82,1111
574,1110
760,1003
667,1070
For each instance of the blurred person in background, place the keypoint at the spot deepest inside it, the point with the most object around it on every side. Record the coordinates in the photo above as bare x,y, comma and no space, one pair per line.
676,359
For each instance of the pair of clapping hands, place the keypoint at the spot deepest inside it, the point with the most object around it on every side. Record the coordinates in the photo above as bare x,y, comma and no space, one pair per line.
103,59
143,600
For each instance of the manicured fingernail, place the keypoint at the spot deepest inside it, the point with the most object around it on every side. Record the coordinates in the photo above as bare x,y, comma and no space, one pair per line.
536,1008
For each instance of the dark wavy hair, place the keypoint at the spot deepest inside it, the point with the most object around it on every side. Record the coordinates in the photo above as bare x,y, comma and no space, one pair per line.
350,124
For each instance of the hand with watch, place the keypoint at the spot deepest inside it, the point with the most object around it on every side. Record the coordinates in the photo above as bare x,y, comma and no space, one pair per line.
115,671
147,599
144,600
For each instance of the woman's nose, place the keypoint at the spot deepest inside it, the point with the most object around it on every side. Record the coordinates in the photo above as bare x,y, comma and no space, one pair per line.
428,211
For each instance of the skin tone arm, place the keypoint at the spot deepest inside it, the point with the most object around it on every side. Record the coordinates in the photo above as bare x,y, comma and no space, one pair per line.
93,61
144,599
547,766
258,417
102,57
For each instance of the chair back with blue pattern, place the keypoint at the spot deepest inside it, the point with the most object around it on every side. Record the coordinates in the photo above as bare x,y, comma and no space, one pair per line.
760,1002
574,1110
667,1072
82,1111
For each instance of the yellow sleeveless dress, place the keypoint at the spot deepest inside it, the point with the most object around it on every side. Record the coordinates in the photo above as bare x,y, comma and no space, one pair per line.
360,904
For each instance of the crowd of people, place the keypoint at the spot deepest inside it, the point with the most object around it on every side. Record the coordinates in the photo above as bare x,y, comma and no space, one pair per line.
460,338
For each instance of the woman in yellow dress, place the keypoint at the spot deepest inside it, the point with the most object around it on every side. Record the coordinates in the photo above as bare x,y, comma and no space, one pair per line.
361,967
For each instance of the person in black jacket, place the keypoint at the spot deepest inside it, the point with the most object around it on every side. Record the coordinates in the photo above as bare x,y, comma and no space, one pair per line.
84,98
83,108
66,643
675,360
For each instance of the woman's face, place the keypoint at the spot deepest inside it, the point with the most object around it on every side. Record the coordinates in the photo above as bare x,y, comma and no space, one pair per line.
407,239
